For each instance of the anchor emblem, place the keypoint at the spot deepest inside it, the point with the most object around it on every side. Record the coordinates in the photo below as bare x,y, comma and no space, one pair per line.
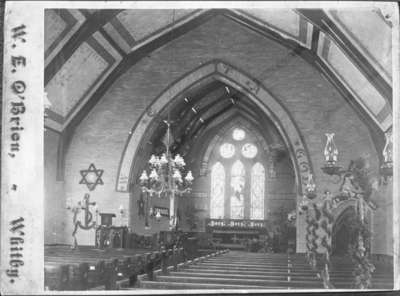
88,223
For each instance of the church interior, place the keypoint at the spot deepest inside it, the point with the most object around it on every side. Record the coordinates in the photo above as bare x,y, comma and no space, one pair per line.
218,149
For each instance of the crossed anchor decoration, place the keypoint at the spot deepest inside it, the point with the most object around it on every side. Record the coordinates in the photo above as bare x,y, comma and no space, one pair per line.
88,223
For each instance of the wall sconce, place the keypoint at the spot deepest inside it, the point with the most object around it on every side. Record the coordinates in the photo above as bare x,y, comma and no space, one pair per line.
311,187
386,168
331,156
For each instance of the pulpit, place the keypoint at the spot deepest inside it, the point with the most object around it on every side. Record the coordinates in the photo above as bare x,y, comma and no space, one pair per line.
109,236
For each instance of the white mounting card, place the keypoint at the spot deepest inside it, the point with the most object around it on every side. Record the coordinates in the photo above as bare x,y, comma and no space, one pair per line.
26,61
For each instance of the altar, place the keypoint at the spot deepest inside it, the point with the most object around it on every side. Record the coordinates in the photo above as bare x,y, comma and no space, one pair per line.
236,231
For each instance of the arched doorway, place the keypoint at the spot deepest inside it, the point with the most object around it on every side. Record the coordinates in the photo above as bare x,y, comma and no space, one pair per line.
341,231
344,227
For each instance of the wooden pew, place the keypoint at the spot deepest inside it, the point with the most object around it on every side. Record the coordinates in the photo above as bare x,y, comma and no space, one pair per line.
88,268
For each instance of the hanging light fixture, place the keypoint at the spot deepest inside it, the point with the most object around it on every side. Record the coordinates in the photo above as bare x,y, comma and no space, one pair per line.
331,154
331,157
387,152
165,177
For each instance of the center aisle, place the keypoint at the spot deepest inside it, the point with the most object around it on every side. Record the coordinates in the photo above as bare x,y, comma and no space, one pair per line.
240,270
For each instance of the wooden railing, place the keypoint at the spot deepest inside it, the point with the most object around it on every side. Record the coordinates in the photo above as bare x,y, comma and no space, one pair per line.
236,223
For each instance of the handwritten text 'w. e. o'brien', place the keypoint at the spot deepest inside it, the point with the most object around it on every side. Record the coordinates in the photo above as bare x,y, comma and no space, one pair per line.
16,248
18,87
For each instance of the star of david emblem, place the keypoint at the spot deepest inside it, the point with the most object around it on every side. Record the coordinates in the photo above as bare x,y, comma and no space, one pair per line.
91,177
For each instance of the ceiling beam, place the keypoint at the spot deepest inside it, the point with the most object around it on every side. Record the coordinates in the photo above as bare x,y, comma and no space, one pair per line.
214,104
127,62
312,58
197,96
134,57
93,23
131,59
320,19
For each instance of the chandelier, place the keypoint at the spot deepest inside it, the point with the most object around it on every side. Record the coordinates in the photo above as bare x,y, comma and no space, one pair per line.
164,177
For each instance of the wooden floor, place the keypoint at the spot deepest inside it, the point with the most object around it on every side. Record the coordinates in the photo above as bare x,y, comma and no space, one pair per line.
242,270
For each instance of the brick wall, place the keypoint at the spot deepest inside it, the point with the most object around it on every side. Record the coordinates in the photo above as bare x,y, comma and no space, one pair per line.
55,208
314,104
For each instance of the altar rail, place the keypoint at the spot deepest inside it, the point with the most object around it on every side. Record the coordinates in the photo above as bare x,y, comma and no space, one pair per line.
236,223
88,268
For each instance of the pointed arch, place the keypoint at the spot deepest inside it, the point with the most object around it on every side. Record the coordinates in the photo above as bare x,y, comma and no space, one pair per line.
217,195
255,91
257,191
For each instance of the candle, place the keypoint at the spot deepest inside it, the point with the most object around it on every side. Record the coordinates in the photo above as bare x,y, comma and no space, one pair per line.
96,210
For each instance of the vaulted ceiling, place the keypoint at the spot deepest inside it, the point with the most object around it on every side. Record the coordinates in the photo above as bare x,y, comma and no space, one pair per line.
87,50
200,116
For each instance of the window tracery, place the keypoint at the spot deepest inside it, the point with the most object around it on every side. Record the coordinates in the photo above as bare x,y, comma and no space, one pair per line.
237,178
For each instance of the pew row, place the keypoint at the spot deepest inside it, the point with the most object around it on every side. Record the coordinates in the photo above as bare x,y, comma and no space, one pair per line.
88,268
168,265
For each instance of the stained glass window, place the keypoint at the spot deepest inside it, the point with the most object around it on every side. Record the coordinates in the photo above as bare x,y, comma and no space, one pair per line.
238,174
227,150
238,179
249,150
257,191
217,191
238,134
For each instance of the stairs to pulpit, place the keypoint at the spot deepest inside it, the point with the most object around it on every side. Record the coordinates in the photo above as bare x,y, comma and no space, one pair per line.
244,270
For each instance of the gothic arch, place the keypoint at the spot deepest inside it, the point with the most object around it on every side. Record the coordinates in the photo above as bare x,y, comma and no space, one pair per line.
340,234
239,80
341,214
218,138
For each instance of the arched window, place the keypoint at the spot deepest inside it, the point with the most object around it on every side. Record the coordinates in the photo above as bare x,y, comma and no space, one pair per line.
217,191
257,191
238,175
